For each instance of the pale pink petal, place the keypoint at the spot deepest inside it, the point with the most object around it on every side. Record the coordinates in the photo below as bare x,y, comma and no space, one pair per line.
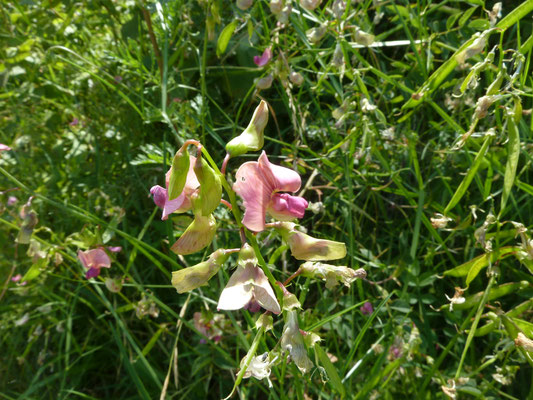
95,258
4,147
16,278
255,192
285,207
263,292
280,178
263,60
115,249
238,292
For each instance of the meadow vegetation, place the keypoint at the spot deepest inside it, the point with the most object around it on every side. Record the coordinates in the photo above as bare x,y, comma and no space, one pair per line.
409,123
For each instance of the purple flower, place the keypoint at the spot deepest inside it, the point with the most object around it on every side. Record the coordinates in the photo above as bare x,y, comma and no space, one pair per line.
74,122
114,249
263,60
367,308
11,200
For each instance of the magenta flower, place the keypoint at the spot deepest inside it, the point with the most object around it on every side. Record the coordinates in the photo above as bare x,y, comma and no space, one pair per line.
259,183
16,278
367,308
74,122
181,203
114,249
94,260
263,60
4,147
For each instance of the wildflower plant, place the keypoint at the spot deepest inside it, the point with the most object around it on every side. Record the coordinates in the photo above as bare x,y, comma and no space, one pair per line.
267,191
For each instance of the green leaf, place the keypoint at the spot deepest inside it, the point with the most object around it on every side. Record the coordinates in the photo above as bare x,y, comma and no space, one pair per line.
480,261
178,175
466,16
333,375
224,38
461,190
35,270
513,153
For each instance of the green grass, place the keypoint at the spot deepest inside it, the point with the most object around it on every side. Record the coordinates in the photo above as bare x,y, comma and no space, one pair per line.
97,97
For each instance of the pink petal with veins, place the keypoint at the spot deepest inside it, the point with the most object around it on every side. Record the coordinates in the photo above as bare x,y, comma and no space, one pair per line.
255,192
281,179
94,260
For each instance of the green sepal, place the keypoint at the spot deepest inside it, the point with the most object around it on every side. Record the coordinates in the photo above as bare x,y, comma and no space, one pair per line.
178,175
210,191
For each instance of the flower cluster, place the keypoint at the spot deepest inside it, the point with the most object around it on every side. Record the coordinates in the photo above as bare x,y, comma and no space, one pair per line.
269,197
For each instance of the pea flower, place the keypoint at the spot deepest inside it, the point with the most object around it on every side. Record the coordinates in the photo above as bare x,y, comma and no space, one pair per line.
263,60
259,183
183,202
367,308
4,147
94,260
248,287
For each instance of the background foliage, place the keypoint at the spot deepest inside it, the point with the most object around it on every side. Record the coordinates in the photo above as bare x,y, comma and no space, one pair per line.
97,96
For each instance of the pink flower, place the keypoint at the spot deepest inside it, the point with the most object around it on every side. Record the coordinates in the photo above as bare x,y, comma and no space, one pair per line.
74,122
115,249
367,308
16,278
94,260
263,60
181,203
4,147
11,200
259,183
248,287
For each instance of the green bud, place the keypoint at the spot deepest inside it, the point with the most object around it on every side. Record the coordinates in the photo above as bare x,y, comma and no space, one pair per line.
197,235
246,256
210,191
178,174
252,138
193,277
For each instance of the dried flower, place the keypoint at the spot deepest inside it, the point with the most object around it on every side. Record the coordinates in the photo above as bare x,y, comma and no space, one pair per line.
293,342
457,297
264,82
244,4
331,273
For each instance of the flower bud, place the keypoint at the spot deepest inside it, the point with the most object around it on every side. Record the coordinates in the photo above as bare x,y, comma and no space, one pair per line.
331,273
244,4
190,278
252,138
264,83
197,235
276,6
265,321
310,4
210,191
314,35
296,78
364,38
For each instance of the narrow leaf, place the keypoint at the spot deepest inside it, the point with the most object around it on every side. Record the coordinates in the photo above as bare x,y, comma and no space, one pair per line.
333,375
461,190
480,261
